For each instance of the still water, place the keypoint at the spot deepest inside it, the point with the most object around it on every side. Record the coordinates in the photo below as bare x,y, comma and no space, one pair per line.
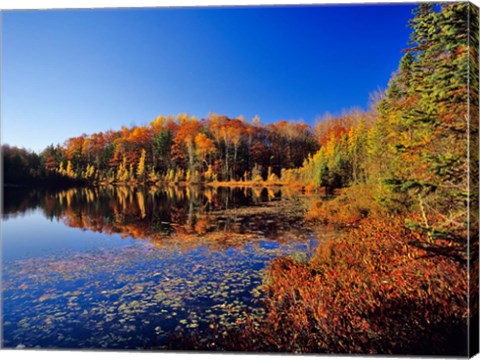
135,268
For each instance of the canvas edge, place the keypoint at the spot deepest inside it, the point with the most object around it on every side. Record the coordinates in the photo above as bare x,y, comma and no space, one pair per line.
473,173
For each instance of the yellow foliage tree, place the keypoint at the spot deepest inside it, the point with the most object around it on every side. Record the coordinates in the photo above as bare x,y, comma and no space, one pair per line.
141,165
69,171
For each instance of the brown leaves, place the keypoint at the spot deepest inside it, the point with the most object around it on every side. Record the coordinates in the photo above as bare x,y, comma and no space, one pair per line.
366,292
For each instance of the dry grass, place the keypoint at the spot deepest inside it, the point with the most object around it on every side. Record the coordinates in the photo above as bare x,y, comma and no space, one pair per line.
349,207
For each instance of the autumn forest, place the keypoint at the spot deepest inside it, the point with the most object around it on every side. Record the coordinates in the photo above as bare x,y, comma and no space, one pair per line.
397,182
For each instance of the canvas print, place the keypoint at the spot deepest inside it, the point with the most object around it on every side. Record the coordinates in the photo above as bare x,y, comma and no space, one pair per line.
293,179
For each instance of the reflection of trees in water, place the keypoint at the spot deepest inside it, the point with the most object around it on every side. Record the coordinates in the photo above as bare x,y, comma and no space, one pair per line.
168,215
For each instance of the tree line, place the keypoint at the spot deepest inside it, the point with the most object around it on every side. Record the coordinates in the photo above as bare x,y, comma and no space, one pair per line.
172,149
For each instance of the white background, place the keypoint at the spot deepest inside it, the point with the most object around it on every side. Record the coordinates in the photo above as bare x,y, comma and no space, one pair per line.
77,355
50,4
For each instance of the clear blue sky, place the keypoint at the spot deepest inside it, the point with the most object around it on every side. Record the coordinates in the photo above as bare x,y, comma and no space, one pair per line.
68,72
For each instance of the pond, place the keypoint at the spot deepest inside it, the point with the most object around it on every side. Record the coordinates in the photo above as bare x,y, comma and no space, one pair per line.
134,268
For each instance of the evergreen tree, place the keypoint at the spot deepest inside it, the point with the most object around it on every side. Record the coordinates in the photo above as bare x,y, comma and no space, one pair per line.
426,111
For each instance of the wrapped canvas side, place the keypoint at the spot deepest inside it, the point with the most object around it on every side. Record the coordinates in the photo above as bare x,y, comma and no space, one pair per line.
473,342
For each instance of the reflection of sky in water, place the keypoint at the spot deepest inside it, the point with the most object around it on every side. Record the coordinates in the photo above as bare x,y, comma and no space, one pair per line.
135,296
69,287
34,235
